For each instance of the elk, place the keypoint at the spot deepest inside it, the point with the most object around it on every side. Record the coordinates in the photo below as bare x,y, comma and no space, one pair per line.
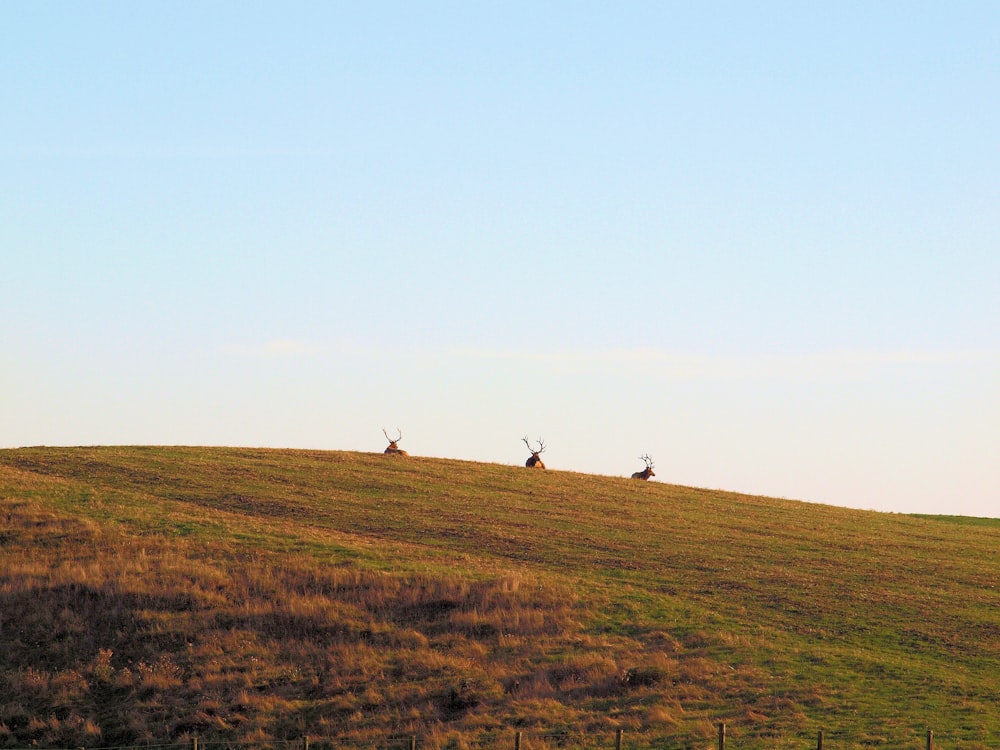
394,449
648,471
535,462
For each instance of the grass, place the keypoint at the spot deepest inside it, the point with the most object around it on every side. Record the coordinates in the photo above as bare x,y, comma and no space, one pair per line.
247,595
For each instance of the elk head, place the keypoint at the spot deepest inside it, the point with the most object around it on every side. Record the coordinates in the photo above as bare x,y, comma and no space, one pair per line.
648,471
534,462
394,449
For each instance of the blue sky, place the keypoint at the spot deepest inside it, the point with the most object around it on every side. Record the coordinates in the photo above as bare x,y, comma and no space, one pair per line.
758,241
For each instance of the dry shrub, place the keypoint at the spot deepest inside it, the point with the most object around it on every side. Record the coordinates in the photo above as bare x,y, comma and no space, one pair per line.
534,687
446,739
506,605
662,715
473,624
697,640
584,672
101,669
665,642
424,664
30,681
359,660
67,687
407,639
253,701
123,678
311,606
160,675
27,521
749,716
546,713
642,677
72,731
37,726
656,668
254,736
471,650
696,670
14,716
311,618
511,642
471,691
372,699
534,621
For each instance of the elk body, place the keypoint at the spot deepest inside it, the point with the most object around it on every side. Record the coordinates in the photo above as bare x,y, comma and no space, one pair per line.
535,462
393,448
648,471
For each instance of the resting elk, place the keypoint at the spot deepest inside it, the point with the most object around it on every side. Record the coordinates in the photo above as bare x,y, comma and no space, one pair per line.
648,471
535,462
393,448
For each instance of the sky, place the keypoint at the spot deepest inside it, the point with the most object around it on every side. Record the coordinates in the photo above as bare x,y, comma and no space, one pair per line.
757,241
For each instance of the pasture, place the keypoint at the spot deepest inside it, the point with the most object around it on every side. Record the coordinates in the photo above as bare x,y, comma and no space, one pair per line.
155,594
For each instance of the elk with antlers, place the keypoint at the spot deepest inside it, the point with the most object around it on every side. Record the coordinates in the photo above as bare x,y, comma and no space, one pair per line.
648,471
535,462
394,449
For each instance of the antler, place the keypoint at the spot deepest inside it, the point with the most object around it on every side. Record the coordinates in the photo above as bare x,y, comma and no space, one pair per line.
389,438
541,445
647,459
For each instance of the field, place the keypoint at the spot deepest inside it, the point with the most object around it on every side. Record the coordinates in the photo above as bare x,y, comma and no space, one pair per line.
155,594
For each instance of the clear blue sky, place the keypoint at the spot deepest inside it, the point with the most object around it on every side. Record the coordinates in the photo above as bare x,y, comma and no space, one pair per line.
759,241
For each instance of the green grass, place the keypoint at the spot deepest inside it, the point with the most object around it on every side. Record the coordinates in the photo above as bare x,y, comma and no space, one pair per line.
152,594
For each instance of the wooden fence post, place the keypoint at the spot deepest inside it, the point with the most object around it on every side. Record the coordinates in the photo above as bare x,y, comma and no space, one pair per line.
413,742
930,739
722,736
517,741
194,743
819,740
618,739
305,742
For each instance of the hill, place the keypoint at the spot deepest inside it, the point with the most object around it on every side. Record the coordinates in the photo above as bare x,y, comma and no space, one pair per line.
154,594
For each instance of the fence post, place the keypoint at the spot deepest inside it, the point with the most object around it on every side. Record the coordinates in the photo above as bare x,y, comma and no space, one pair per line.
618,739
517,741
413,742
305,742
930,739
194,743
819,740
722,736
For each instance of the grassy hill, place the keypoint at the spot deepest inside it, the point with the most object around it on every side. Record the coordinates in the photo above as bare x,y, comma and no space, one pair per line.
156,594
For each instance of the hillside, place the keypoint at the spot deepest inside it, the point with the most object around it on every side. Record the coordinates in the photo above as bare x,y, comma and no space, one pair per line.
156,594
